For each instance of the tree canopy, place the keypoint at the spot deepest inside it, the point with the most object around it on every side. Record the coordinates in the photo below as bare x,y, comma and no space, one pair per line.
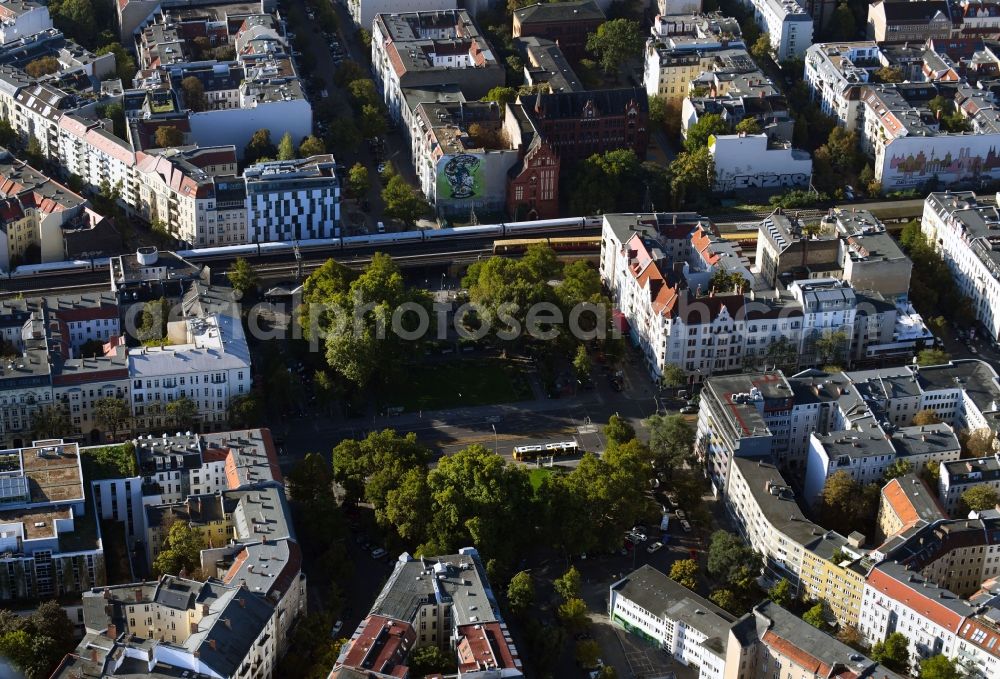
112,414
242,276
699,133
940,667
615,42
981,497
286,147
685,571
893,652
370,346
167,136
402,201
181,550
846,505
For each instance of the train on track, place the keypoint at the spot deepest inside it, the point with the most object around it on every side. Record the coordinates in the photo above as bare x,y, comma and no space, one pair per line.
328,245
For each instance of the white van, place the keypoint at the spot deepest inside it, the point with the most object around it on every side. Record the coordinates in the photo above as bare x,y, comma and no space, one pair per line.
381,227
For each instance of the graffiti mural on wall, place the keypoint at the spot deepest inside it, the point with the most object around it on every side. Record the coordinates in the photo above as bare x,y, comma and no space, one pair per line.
459,178
911,169
761,181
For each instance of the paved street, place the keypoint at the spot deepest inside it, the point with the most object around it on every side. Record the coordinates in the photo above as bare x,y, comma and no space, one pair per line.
541,420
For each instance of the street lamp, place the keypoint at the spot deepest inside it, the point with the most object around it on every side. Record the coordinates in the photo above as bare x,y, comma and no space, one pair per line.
496,440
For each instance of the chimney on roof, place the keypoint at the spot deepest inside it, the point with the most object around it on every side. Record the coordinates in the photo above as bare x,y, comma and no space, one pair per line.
211,642
225,621
112,632
93,655
242,600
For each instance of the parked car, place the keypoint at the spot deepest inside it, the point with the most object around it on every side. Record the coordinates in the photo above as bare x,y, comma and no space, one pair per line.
335,630
655,547
689,410
378,553
681,515
686,525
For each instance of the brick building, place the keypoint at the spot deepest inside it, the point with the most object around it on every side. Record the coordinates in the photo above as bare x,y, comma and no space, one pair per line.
579,124
566,23
533,182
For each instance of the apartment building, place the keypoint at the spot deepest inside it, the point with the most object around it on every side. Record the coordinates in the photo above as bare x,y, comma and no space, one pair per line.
35,213
800,420
741,416
910,144
661,611
364,11
870,258
836,74
936,584
771,641
420,49
966,234
426,602
458,171
46,365
21,18
206,361
961,475
787,23
684,48
293,199
869,448
769,518
905,501
660,278
833,571
229,487
50,544
182,189
160,628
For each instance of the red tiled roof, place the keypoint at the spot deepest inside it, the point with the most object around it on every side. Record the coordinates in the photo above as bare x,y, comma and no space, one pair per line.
86,313
987,638
483,647
90,376
272,455
701,241
806,661
215,454
389,640
914,599
900,503
235,568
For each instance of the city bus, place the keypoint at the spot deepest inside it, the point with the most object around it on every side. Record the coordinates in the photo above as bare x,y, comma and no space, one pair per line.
558,449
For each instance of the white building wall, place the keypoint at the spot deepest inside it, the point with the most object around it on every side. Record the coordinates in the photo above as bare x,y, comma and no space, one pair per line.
236,126
745,162
909,162
34,20
786,23
972,276
121,500
881,615
363,11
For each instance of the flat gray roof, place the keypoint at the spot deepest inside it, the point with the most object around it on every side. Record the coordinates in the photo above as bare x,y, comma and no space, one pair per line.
665,598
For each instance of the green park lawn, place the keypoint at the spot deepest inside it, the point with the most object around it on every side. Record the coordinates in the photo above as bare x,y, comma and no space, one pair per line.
464,382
